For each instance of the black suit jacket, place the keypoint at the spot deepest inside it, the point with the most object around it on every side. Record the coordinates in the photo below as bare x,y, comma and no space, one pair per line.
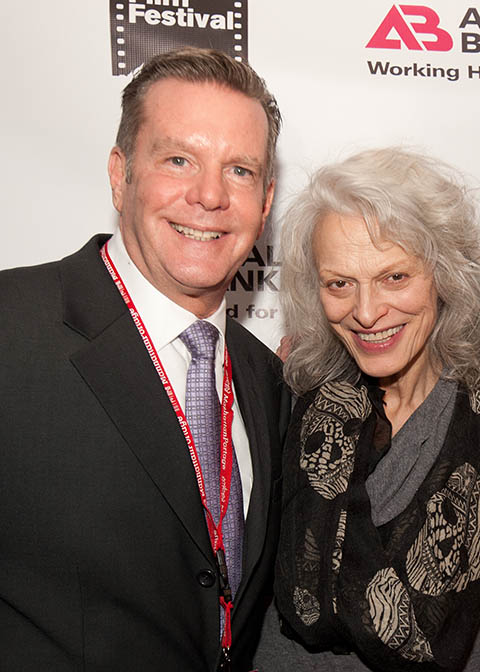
105,561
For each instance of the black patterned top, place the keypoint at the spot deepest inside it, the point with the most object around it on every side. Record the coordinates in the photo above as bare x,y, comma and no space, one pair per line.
404,596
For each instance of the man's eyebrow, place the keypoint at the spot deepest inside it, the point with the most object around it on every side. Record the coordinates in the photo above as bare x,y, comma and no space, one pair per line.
168,143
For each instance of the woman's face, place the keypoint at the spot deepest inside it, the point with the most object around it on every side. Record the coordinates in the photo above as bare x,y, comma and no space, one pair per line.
381,302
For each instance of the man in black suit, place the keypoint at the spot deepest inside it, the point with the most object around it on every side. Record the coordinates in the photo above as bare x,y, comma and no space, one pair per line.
106,561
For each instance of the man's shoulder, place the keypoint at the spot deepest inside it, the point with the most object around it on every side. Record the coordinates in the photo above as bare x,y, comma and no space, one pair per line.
244,344
90,248
28,283
237,333
42,281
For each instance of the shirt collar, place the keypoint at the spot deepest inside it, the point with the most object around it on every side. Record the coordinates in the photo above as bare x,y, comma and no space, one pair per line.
163,318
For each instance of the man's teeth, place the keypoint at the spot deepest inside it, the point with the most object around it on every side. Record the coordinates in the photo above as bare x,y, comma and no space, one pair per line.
380,336
195,234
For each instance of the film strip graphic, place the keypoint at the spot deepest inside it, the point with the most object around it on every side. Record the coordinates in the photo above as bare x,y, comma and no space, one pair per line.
139,30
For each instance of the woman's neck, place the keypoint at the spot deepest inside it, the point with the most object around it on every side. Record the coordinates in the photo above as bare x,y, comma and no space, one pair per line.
406,391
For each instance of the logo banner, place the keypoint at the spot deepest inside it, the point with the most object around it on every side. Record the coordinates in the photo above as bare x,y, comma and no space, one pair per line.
139,30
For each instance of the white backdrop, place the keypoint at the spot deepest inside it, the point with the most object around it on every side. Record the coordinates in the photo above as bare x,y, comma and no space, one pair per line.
60,109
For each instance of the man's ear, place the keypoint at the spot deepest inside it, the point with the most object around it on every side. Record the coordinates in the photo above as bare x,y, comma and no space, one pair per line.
117,169
267,204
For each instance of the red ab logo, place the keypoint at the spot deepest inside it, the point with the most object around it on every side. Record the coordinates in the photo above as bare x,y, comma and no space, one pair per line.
411,32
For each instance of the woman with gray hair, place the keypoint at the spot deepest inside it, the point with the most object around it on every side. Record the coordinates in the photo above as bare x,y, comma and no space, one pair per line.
379,555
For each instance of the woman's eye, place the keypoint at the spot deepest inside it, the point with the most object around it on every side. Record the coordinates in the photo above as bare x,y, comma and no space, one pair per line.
338,284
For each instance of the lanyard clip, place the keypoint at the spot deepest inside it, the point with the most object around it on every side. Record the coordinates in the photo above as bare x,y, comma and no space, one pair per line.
225,664
223,574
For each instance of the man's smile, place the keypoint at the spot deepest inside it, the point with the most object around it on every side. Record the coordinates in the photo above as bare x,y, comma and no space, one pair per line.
195,234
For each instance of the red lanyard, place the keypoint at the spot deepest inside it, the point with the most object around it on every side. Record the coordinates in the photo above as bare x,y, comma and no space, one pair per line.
226,447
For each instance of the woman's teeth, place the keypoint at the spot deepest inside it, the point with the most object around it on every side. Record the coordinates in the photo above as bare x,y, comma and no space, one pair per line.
380,336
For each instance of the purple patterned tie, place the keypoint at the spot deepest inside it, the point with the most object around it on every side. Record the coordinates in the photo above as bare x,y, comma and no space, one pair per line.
202,409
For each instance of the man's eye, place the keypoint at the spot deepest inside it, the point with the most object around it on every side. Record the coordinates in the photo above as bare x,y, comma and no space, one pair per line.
397,277
177,161
337,284
242,172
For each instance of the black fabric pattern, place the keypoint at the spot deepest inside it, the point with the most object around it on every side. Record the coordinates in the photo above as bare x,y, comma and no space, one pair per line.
405,596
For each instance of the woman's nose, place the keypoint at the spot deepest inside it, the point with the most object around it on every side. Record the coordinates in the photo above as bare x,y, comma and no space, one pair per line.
369,307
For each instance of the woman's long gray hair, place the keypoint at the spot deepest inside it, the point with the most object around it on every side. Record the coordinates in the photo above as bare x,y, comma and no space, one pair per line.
406,198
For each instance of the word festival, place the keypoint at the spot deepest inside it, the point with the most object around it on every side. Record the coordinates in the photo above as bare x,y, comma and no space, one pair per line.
179,13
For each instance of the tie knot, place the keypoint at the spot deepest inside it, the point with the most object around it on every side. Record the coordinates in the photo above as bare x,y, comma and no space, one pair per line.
200,338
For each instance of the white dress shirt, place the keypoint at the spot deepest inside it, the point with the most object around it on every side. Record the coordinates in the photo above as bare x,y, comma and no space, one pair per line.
165,320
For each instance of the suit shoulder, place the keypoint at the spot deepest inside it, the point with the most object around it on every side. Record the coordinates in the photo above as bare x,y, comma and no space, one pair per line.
238,333
28,283
34,288
40,283
248,345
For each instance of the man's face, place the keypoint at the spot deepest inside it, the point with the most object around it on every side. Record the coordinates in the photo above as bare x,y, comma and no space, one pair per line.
195,204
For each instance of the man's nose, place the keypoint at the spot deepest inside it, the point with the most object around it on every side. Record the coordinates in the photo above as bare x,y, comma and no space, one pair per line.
369,306
209,190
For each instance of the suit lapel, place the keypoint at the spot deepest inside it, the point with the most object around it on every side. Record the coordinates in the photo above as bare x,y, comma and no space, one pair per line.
247,389
116,366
